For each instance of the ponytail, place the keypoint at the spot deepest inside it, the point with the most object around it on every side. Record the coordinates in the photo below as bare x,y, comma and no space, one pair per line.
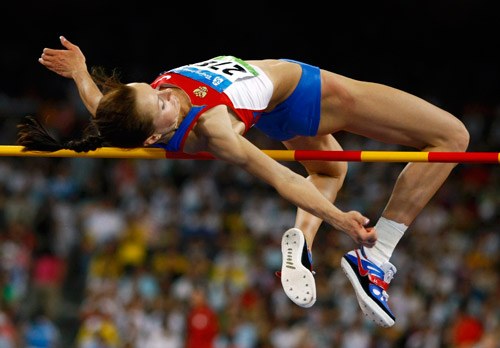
33,136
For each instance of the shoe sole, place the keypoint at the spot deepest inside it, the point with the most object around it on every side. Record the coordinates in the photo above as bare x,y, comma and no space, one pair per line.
297,281
369,307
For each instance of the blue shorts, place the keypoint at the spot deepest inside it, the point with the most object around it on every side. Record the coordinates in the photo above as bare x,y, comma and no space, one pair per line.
300,113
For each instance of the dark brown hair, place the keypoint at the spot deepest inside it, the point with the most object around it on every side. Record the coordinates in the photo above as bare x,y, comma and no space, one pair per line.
117,122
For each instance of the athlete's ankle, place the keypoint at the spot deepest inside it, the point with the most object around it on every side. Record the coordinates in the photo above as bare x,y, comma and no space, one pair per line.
388,233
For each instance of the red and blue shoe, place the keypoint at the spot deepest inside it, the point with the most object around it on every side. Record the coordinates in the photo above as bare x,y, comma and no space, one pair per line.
370,283
297,276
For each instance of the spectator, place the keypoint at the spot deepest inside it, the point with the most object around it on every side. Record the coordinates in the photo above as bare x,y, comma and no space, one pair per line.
41,332
202,322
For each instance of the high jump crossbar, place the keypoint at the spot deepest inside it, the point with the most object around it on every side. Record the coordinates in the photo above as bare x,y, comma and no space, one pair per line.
279,155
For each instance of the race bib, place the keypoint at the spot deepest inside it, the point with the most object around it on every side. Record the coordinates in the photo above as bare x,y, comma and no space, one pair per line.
219,72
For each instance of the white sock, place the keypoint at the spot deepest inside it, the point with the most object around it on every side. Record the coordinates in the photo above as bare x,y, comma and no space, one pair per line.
389,233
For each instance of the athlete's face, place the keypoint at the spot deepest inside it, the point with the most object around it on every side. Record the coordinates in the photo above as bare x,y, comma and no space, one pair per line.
162,105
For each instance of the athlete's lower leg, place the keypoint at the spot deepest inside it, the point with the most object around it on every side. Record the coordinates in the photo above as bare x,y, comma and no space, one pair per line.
310,224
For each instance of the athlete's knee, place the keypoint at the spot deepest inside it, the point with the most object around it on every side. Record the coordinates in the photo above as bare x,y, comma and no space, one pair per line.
342,170
329,171
454,138
459,137
334,170
337,170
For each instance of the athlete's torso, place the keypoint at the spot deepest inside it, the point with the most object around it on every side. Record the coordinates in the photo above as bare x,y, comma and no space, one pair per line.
246,88
226,80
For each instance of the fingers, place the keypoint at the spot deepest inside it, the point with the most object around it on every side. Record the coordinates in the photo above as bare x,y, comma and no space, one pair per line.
362,220
355,226
366,235
363,235
43,60
65,42
55,64
47,56
50,56
49,52
369,243
68,45
368,238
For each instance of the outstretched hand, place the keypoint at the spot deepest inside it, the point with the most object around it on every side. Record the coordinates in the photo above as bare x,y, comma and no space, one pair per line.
66,62
354,224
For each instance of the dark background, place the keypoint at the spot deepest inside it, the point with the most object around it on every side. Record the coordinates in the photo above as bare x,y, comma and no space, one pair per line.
447,49
443,50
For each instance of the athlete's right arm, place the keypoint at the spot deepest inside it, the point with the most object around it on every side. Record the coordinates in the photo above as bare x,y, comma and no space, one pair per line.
70,63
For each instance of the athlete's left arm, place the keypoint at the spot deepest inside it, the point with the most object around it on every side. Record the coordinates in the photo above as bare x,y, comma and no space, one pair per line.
224,143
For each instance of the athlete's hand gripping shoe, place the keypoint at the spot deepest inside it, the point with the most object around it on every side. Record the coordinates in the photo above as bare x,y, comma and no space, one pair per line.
297,276
370,283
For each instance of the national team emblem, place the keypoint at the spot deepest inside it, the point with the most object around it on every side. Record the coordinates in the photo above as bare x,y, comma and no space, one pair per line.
201,92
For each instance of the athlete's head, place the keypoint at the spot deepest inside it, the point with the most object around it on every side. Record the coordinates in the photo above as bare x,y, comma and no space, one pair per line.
160,108
127,116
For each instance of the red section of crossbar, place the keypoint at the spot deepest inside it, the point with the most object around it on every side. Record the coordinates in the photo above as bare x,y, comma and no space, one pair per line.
303,155
182,155
464,157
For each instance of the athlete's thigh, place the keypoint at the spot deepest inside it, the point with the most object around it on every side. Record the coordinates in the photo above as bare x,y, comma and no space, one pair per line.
383,113
320,143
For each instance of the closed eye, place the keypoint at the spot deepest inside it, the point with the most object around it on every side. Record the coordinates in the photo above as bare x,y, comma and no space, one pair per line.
161,103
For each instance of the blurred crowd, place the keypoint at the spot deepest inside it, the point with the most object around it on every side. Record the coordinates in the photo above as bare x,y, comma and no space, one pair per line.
123,253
